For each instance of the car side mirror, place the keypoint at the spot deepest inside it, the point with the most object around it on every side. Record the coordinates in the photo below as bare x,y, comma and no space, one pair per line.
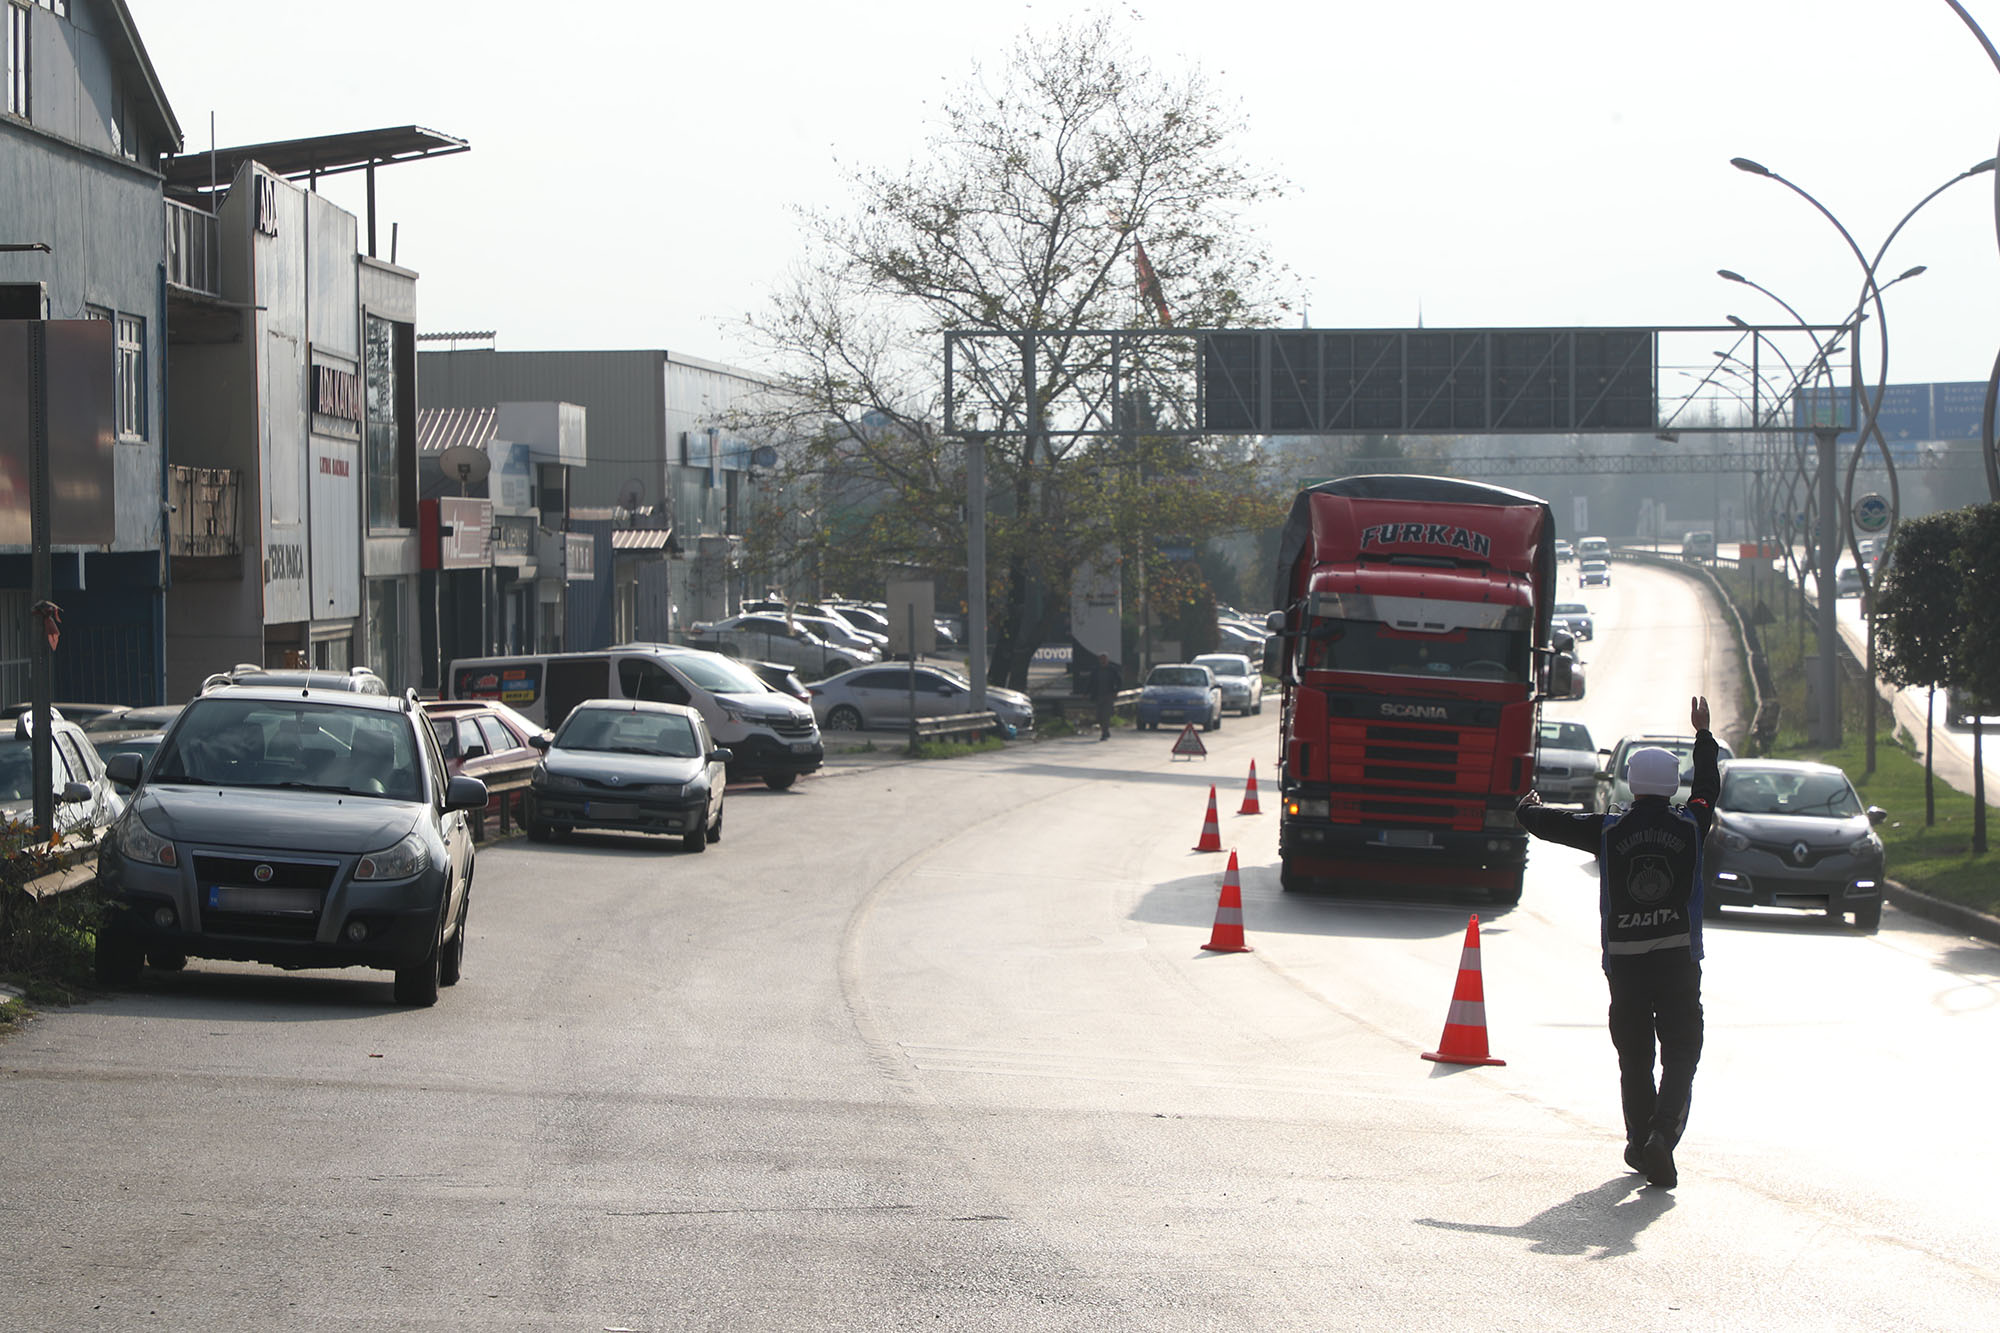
465,794
1876,814
722,754
123,769
541,742
76,793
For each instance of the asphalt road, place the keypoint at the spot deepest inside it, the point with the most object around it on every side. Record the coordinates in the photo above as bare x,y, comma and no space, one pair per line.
935,1045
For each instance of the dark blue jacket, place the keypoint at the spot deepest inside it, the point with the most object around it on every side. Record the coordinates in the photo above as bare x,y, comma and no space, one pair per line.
1649,882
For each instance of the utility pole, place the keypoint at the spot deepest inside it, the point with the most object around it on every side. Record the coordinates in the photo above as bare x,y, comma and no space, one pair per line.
1827,731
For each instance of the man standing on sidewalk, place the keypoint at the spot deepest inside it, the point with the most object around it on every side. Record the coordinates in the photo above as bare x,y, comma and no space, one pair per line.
1105,679
1649,899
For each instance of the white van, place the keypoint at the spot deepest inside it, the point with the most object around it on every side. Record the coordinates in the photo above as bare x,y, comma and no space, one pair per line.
769,735
1593,548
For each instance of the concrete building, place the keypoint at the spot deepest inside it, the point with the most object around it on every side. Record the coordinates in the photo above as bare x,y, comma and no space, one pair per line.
292,389
666,478
84,129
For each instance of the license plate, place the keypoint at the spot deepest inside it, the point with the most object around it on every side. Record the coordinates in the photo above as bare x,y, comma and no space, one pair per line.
1407,838
610,809
802,747
259,898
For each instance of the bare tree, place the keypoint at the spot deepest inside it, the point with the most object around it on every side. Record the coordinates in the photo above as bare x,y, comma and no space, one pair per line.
1024,212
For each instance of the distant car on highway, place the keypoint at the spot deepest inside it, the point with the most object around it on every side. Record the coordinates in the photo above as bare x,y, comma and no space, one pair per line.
1565,762
1242,680
1794,834
1594,574
1612,791
1564,551
1581,624
1180,692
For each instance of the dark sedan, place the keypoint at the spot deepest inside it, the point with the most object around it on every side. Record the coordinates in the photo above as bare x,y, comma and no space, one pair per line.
631,766
1794,834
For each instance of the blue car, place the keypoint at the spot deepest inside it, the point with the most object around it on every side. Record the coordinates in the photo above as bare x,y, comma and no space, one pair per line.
1180,692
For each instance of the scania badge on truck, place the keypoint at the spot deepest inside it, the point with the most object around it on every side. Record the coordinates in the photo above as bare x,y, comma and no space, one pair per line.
1415,646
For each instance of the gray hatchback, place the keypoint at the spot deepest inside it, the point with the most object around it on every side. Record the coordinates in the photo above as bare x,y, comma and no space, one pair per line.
296,827
1793,834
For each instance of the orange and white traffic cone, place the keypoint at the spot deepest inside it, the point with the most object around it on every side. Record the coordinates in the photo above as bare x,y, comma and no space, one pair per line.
1227,935
1250,794
1211,831
1464,1040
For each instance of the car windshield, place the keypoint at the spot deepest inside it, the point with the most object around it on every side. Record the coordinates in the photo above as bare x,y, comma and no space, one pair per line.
1566,736
1572,609
1366,645
1766,791
224,742
622,731
1179,675
1227,666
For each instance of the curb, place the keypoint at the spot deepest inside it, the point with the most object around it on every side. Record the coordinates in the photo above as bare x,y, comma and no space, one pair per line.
1970,920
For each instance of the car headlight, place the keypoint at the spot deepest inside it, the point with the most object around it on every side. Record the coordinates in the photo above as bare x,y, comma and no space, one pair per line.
1866,845
543,778
1734,841
136,842
669,790
402,861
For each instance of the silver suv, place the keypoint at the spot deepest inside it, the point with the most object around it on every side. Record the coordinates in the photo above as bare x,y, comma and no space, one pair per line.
296,827
361,680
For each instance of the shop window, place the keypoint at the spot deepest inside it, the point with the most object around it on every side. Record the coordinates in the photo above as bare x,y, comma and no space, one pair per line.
385,630
380,340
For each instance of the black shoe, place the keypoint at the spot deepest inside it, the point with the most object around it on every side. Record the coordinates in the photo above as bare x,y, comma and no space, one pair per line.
1659,1159
1635,1157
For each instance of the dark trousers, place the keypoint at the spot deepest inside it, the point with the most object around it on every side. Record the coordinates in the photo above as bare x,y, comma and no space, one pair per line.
1105,707
1655,997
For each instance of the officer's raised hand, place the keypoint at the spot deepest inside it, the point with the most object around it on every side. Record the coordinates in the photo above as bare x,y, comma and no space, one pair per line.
1698,712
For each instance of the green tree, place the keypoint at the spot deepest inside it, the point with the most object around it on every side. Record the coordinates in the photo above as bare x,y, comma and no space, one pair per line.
1917,614
1022,213
1976,664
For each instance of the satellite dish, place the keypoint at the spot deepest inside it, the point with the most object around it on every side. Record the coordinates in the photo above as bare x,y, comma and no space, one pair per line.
631,495
466,464
763,456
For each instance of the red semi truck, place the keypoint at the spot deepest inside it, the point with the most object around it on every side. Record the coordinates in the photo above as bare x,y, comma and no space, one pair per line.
1413,639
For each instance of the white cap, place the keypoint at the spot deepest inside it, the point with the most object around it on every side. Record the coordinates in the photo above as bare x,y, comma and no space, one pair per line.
1653,772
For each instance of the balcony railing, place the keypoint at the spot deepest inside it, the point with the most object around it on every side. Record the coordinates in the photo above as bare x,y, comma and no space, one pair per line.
205,520
193,249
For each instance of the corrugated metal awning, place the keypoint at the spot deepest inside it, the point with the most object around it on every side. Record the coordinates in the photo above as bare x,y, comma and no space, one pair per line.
641,539
439,428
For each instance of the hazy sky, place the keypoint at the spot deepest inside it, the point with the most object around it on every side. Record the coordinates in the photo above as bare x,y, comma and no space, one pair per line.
1488,162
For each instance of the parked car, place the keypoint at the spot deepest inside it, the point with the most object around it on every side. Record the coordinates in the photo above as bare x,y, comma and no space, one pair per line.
147,717
768,637
295,827
1794,834
108,743
1239,638
1613,792
358,679
879,696
1594,574
633,767
1582,625
843,634
780,678
768,735
1565,762
80,714
1241,679
84,801
1180,692
487,740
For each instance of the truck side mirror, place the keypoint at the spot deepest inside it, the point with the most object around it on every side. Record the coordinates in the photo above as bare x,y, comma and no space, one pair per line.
1274,623
1562,642
1559,684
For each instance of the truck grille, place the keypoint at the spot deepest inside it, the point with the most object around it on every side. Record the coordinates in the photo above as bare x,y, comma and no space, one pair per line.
1387,773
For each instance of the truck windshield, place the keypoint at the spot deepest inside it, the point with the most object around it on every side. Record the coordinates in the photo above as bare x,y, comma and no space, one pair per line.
1369,645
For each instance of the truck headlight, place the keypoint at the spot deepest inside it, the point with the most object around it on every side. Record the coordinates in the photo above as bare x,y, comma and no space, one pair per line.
136,842
402,861
1501,817
1303,808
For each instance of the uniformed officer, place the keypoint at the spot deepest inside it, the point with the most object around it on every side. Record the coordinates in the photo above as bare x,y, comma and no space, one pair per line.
1649,896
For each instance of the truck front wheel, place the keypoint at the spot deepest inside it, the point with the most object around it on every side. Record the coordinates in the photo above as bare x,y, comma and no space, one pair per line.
1508,893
